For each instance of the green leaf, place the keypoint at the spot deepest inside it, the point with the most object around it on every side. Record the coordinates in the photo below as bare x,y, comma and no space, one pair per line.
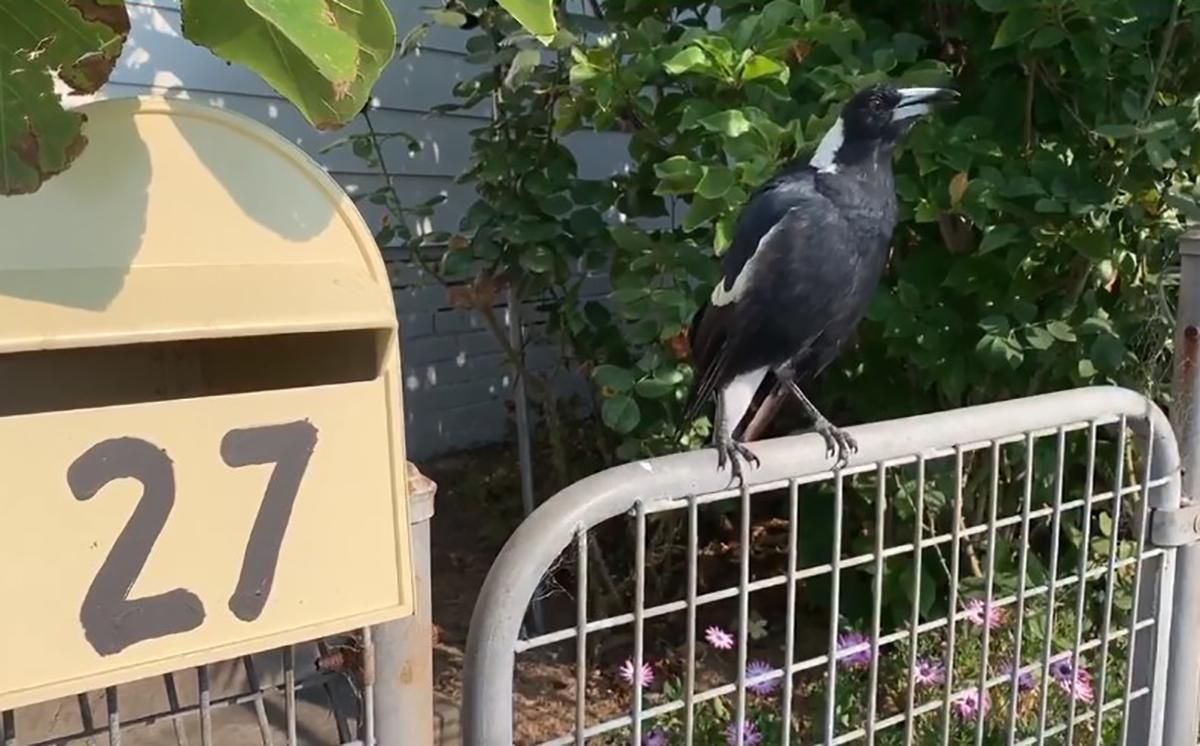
451,18
759,66
536,16
1116,131
537,259
677,175
1185,204
654,388
812,8
1046,37
1061,331
1001,350
38,138
998,236
1045,204
323,57
1038,338
689,58
80,40
701,211
613,377
621,413
729,123
716,183
1086,368
524,61
1015,26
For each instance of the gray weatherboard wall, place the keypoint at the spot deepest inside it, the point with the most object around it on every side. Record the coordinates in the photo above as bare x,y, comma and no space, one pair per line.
457,385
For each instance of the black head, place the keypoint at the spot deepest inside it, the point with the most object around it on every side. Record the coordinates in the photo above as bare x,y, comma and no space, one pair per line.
874,120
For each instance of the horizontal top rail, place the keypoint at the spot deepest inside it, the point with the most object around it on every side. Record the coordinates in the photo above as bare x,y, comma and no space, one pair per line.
538,541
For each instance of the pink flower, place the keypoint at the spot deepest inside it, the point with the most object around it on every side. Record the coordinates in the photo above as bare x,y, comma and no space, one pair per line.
975,614
1078,685
627,671
858,658
929,672
760,668
970,706
718,638
656,737
750,733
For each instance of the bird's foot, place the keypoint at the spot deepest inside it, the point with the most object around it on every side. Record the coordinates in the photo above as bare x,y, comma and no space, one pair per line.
838,442
729,451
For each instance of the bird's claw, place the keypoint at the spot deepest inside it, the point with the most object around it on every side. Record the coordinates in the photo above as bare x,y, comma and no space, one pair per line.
838,442
730,452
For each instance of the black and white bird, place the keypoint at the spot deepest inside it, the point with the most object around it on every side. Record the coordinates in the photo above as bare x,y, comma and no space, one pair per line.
808,252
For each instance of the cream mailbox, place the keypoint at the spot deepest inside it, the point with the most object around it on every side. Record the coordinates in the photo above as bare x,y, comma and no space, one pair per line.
201,435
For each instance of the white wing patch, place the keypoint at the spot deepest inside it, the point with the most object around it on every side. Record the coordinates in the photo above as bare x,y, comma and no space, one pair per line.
825,157
736,397
720,296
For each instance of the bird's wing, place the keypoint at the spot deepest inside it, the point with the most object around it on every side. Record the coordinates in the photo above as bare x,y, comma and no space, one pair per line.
788,216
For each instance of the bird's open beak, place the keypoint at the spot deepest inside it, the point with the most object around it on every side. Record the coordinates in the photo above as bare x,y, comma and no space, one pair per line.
915,102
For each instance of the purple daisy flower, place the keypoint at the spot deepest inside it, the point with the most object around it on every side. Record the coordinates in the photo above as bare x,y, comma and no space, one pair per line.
1074,681
970,706
761,668
860,658
627,671
929,672
1025,680
975,614
718,638
656,737
750,734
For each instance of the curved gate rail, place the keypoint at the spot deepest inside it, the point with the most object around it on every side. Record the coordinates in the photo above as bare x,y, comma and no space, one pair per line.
1130,704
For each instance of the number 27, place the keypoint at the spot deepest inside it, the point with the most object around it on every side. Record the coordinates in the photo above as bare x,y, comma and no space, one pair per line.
111,620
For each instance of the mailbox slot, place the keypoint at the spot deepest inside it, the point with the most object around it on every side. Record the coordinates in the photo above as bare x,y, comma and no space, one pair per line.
89,377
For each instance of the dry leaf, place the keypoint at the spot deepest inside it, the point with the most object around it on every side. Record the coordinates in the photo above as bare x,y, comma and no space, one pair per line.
958,187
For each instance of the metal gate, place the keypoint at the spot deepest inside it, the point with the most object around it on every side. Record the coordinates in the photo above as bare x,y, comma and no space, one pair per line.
1028,649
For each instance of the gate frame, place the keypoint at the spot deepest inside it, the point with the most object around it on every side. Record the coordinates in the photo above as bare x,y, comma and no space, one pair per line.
496,622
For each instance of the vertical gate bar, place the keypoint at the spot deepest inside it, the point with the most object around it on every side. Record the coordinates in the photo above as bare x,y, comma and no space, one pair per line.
1106,622
639,622
693,549
581,605
915,618
1182,692
173,703
339,717
260,709
85,714
1022,568
367,727
1140,532
835,591
989,577
1081,588
876,601
952,622
743,617
114,716
289,693
1055,529
205,695
789,639
8,728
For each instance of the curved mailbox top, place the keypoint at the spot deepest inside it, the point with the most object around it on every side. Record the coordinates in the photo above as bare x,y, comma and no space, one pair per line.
183,220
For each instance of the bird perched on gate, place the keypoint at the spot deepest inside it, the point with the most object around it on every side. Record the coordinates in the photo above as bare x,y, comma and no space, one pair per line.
808,251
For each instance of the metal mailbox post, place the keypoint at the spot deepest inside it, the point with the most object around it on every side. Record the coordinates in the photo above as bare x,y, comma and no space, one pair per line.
201,426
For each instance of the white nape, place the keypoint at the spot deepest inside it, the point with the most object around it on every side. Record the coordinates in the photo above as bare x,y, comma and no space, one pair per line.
825,157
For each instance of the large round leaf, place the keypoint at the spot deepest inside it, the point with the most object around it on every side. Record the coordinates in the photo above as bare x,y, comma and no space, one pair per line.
323,57
37,137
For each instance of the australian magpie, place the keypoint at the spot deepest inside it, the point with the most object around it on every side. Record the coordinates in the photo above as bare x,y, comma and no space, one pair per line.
808,251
